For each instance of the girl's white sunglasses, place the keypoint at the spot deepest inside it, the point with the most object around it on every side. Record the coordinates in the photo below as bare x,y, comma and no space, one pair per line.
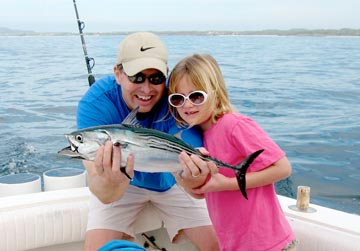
195,98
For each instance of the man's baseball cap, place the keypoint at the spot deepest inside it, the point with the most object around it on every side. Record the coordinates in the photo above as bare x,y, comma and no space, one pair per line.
140,51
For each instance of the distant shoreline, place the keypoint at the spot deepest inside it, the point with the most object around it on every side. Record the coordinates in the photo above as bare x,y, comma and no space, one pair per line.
273,32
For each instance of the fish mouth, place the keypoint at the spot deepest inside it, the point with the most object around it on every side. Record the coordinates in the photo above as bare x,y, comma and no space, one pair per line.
69,151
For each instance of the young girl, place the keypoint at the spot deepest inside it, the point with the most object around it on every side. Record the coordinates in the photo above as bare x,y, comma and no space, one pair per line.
198,96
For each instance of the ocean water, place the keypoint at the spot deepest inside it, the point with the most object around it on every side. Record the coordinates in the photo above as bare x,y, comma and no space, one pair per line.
304,91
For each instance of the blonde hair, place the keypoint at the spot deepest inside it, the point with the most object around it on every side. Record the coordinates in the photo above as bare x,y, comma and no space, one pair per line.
204,73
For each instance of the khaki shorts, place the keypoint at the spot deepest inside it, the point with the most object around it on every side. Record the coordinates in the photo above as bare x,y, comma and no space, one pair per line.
177,209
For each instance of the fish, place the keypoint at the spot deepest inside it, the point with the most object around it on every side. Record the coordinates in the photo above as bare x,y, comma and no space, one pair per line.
153,150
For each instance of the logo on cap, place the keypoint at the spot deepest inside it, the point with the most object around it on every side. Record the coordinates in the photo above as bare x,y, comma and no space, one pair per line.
146,48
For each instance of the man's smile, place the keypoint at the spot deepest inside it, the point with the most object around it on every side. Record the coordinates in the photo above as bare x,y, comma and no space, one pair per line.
144,98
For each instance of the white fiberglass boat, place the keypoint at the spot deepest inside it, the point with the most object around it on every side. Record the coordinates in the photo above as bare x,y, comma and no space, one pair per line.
56,221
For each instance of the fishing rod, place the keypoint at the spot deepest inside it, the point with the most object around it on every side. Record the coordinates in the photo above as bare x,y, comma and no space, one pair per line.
90,62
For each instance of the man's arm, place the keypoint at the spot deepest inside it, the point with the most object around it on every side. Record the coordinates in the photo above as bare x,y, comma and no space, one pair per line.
106,181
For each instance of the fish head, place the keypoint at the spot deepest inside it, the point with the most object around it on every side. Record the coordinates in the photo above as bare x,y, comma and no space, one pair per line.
85,143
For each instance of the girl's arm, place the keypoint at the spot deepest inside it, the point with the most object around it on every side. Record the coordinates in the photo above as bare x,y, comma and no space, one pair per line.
281,169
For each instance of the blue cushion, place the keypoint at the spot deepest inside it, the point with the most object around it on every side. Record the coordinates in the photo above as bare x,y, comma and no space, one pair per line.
121,245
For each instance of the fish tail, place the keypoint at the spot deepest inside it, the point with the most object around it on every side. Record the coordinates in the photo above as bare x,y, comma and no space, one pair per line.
241,169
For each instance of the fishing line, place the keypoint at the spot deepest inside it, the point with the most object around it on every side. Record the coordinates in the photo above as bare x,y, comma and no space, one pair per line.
90,62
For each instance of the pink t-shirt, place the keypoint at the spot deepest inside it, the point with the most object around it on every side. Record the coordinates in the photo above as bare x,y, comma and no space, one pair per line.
259,222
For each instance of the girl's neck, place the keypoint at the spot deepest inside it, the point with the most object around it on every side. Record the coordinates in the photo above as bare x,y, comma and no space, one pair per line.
206,125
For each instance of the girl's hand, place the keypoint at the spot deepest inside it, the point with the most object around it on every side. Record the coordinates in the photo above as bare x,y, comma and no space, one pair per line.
194,171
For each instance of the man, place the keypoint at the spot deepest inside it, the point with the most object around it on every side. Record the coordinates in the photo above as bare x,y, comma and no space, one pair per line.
138,81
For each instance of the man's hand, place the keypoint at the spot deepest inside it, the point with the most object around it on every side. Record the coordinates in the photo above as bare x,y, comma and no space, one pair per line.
106,181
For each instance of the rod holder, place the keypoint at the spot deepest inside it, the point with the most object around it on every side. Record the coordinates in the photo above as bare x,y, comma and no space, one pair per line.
64,178
303,200
21,183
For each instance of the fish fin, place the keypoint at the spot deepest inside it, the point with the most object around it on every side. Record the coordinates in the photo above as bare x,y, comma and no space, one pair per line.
131,118
178,134
123,170
241,169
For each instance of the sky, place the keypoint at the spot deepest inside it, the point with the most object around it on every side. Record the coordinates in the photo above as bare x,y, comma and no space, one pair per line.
178,15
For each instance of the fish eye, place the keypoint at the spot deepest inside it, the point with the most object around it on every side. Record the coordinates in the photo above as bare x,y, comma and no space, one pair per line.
79,138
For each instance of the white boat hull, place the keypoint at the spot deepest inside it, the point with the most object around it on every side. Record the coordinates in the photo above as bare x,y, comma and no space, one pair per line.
56,221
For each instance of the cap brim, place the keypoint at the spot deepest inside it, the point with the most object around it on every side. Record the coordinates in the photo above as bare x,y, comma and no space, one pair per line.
138,65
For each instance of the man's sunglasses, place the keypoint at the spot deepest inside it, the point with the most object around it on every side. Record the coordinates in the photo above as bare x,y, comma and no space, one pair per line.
155,79
195,98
